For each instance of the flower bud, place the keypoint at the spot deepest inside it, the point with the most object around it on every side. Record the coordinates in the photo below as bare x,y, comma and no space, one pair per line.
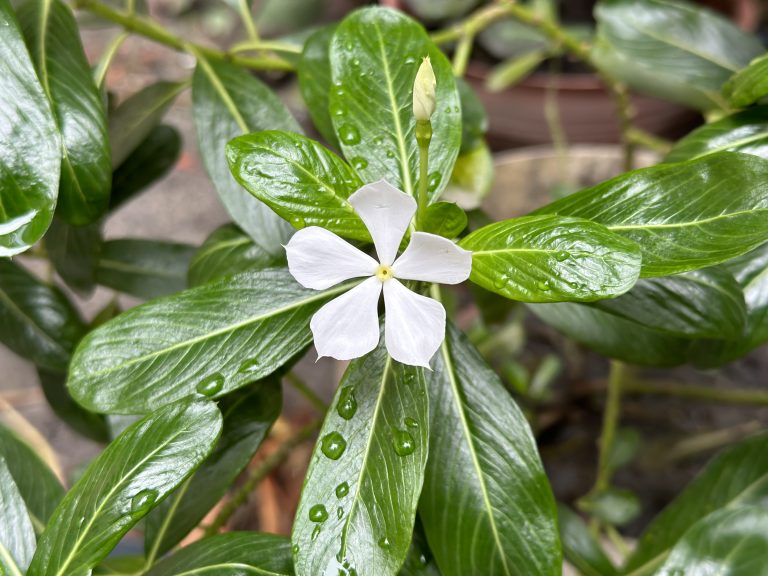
424,92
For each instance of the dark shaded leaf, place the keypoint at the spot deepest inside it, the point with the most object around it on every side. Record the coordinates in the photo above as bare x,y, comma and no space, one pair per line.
90,425
314,72
74,252
474,120
749,84
17,538
419,561
579,546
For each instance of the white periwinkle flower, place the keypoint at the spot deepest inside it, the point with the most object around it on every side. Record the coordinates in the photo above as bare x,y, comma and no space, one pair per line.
348,326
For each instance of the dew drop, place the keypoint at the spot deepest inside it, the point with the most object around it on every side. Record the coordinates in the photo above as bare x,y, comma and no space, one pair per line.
342,490
390,154
384,543
333,445
543,285
433,181
295,549
339,512
499,282
347,405
410,60
248,366
349,134
356,62
298,222
411,422
359,163
143,501
423,560
562,256
318,513
315,532
403,442
337,109
211,385
378,140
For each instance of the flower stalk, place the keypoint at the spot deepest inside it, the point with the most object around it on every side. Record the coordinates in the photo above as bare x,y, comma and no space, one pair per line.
423,137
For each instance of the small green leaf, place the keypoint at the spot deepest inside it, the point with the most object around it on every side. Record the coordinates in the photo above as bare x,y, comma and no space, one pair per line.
300,179
579,546
444,219
472,178
370,457
228,101
231,554
230,332
248,417
90,425
228,251
144,268
614,506
30,145
132,476
17,537
678,213
550,259
474,120
745,132
749,84
674,50
74,252
314,73
486,506
54,43
37,321
375,54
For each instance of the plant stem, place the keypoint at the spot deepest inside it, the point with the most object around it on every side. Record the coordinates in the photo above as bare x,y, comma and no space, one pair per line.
263,470
610,424
301,386
264,45
153,31
100,72
648,140
732,395
247,18
423,137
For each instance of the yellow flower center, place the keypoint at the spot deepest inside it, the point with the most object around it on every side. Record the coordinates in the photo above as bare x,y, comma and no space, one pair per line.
384,272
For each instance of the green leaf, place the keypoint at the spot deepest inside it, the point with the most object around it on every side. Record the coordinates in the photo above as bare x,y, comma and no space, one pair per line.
474,120
551,258
487,507
749,84
738,477
74,252
732,542
375,54
300,179
90,425
248,417
607,334
37,321
54,43
419,561
231,554
674,50
40,489
745,132
444,219
360,494
472,178
30,145
227,102
226,252
509,38
150,161
17,538
705,303
679,214
224,334
314,73
134,474
144,268
134,120
614,506
580,548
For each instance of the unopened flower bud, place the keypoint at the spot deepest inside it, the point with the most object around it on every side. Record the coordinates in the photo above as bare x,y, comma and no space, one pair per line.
424,92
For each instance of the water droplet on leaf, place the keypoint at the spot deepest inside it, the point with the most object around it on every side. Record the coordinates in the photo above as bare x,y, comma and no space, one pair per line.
384,543
403,442
315,532
298,222
411,422
318,513
433,181
499,282
543,285
143,501
359,163
349,134
339,512
562,256
211,385
347,405
248,366
342,490
333,445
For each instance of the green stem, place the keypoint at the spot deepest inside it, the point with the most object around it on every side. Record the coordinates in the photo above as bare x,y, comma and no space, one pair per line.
423,137
301,386
247,18
610,424
729,395
648,140
100,72
264,45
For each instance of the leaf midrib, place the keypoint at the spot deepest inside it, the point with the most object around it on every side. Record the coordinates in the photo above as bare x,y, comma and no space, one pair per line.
685,224
9,562
249,569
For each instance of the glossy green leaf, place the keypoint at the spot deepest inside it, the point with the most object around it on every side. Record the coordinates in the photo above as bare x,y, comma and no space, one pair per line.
614,506
228,333
248,417
37,321
607,334
228,251
472,178
30,146
375,54
131,123
671,49
684,216
314,73
749,84
37,485
231,554
474,120
134,474
150,161
487,507
745,132
74,252
738,477
54,43
300,179
704,303
550,258
360,494
579,546
227,102
732,542
90,425
17,537
144,268
444,219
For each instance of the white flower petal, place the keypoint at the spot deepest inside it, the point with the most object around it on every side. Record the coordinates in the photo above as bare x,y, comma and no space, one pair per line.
319,259
387,212
432,258
348,326
414,325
